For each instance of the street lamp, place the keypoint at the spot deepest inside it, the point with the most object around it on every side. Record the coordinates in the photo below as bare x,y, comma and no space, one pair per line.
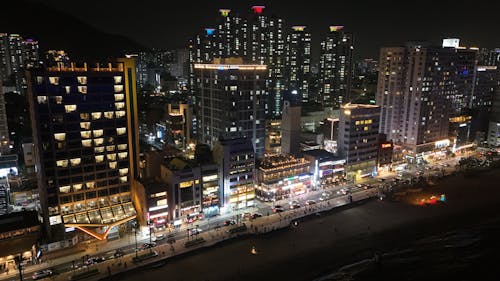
18,260
134,225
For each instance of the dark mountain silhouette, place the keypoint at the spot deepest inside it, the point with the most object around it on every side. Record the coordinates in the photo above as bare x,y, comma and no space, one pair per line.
56,30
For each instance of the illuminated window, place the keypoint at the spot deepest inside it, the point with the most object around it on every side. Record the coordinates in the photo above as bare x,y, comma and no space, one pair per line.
121,131
118,79
90,184
122,155
75,161
67,89
123,171
122,146
111,157
85,125
39,80
60,136
96,115
77,187
365,128
99,149
85,134
42,99
98,141
86,143
120,114
109,114
82,80
123,179
70,108
110,148
54,80
119,105
62,163
82,89
118,88
65,189
97,133
119,97
84,116
112,165
99,158
58,99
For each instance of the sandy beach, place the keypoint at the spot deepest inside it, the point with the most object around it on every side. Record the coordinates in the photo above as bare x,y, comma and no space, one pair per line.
322,244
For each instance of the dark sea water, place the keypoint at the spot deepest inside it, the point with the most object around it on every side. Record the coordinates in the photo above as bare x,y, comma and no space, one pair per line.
471,253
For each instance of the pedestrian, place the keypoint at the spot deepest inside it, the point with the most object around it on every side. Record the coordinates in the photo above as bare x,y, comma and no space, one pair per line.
125,265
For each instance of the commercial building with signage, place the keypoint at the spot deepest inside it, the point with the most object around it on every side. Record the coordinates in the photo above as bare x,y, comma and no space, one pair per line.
282,176
327,168
193,189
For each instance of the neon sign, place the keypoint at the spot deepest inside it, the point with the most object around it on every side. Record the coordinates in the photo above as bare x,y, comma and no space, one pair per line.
336,27
258,9
224,12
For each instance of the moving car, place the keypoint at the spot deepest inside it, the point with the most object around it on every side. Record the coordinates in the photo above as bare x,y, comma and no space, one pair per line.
310,202
158,237
278,209
42,274
256,215
294,204
118,253
171,238
195,231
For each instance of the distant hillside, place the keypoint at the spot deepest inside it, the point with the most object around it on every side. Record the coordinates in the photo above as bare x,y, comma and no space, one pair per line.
56,30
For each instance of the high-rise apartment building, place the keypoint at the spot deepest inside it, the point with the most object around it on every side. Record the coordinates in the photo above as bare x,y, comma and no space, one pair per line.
16,54
230,102
257,38
298,61
335,67
4,129
417,88
489,57
267,47
85,132
358,137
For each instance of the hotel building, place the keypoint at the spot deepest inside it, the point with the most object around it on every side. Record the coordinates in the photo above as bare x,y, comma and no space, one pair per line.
85,137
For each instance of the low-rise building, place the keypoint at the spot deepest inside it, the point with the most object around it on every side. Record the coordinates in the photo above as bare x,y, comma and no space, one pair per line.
327,168
19,235
282,176
193,189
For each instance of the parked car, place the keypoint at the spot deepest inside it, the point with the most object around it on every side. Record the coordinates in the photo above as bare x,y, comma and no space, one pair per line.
229,222
94,260
148,245
195,231
42,274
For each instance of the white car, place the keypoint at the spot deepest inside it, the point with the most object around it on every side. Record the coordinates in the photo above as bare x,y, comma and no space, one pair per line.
42,274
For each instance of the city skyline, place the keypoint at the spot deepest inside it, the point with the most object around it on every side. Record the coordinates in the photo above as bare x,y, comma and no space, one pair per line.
375,25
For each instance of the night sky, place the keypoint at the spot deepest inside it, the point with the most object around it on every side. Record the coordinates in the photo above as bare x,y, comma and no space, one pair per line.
169,24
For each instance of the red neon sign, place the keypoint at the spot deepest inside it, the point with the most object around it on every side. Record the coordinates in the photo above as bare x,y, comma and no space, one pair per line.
258,9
